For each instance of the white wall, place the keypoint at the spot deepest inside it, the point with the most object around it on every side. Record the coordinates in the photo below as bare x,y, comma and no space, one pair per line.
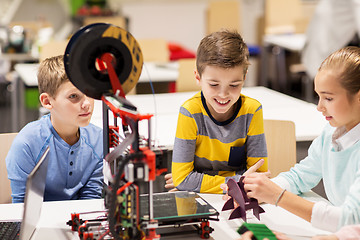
53,11
184,22
181,21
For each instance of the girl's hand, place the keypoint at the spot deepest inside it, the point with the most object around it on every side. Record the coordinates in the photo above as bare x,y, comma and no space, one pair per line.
224,187
255,167
329,237
259,186
251,169
248,236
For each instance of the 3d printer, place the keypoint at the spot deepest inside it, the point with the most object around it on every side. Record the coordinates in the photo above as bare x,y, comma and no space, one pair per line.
105,62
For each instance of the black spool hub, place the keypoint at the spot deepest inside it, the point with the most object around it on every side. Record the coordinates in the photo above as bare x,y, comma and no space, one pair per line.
89,44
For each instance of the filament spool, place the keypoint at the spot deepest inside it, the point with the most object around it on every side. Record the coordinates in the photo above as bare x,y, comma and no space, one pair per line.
84,51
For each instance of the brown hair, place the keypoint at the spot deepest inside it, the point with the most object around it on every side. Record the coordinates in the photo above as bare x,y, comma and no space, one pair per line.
223,49
51,74
347,62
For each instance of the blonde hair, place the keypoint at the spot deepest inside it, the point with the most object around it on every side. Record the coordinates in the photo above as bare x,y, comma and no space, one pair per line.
51,74
347,62
223,49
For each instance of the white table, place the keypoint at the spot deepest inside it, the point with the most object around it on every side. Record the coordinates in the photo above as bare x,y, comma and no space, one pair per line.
18,57
292,42
156,72
275,218
159,72
54,216
165,107
27,76
308,121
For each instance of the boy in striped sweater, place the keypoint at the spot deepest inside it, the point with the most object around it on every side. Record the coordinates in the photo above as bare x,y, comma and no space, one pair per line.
220,132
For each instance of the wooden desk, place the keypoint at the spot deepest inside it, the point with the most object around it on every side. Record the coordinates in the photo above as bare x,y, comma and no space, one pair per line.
54,216
165,107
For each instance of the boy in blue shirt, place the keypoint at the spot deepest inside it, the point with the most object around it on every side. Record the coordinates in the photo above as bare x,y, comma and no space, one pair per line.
76,147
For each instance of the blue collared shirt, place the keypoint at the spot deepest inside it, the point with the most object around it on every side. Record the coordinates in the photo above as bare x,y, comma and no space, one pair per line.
74,171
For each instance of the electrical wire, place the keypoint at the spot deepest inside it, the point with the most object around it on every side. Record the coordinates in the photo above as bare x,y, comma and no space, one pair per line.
154,98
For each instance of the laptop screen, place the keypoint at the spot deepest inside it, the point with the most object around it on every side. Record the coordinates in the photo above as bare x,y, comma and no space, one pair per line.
34,196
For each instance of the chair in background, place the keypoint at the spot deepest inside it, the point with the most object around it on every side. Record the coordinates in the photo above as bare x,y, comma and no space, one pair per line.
154,50
227,14
186,81
6,140
223,14
289,26
281,145
282,16
52,48
115,20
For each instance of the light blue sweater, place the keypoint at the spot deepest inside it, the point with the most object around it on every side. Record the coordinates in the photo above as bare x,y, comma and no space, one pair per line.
74,172
340,172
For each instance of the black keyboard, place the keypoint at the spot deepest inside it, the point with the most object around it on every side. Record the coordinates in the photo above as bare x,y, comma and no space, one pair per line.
9,230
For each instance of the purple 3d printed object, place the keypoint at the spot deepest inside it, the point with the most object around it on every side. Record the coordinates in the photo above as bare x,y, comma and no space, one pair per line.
237,192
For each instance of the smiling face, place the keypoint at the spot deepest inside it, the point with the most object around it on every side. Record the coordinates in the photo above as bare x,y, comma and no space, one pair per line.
221,88
69,108
335,103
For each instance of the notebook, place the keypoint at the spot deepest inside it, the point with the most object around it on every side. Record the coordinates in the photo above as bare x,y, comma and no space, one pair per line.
34,196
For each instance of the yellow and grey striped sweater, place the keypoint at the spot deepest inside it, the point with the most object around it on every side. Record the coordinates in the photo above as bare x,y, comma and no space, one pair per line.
208,153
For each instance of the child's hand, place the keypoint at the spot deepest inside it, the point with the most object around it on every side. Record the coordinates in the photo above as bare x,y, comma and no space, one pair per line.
329,237
259,186
251,169
169,183
224,187
248,236
255,167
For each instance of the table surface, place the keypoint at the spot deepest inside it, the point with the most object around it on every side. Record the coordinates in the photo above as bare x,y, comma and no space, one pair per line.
18,57
165,107
54,216
292,42
156,72
308,121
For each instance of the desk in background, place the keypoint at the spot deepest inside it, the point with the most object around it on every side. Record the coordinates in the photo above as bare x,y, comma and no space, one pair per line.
54,216
276,45
18,57
308,121
27,77
13,58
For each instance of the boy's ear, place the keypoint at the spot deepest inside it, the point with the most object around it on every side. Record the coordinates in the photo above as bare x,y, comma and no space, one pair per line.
197,77
45,100
358,96
245,74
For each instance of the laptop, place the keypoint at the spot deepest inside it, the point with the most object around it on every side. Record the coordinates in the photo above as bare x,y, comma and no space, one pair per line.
34,196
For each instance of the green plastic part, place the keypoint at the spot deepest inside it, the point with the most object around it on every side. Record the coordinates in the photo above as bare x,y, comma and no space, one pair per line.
260,231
